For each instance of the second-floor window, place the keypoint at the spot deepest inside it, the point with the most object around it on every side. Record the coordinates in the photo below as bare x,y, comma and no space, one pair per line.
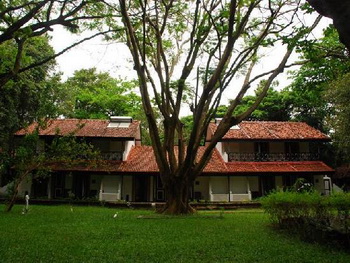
292,150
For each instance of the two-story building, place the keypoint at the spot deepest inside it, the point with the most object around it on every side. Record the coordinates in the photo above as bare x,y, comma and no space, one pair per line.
113,138
251,159
264,155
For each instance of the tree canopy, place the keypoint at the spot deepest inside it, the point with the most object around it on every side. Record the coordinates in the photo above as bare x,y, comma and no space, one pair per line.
168,40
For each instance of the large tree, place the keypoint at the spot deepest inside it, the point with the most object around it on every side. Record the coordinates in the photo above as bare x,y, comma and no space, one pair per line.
168,40
21,20
339,11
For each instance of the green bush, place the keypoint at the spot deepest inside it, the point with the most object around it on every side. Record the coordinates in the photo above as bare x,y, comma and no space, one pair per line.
314,216
292,207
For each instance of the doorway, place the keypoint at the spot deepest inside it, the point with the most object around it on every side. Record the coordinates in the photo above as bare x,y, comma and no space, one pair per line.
141,186
267,184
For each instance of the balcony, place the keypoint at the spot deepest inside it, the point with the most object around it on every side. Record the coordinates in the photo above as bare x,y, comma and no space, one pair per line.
272,157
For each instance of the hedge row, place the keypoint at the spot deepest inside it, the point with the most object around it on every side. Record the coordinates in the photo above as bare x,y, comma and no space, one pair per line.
310,213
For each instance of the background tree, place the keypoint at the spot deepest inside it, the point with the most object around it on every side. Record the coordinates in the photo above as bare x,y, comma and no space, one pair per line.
338,95
89,94
29,96
274,107
96,95
225,38
325,60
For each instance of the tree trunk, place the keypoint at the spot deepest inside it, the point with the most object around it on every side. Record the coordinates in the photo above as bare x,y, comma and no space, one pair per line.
13,198
177,202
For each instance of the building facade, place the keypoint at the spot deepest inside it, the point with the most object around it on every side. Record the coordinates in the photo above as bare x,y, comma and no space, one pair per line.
252,159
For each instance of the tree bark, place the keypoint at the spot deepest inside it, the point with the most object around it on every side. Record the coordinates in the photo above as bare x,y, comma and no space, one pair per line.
177,192
13,197
339,11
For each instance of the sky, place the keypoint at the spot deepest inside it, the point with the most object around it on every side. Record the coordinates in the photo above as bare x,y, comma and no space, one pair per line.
108,57
115,58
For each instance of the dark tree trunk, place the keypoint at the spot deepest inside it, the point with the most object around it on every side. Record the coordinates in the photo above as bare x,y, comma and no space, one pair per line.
339,11
177,197
12,200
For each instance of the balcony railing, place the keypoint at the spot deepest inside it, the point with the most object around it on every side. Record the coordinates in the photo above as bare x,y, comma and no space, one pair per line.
272,157
115,156
112,156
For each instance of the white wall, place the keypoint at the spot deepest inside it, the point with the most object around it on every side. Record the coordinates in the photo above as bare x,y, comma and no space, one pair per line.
318,183
202,185
95,182
128,146
239,189
24,186
254,183
110,188
218,189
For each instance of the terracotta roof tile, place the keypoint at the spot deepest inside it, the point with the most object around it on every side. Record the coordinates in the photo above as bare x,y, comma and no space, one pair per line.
272,130
278,167
82,128
87,166
142,159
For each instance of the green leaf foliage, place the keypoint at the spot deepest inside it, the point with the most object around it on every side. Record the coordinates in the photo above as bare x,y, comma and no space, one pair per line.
95,95
31,95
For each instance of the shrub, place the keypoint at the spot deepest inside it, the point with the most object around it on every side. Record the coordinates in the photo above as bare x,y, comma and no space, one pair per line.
294,208
311,214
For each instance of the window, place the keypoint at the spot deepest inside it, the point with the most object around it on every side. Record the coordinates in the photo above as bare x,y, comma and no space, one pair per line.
261,151
292,151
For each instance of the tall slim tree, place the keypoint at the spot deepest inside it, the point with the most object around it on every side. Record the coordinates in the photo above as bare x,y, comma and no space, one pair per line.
168,40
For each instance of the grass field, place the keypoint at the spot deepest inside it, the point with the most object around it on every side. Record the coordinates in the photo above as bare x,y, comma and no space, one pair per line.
92,234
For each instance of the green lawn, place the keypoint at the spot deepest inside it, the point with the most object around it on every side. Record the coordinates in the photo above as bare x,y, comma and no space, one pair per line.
92,234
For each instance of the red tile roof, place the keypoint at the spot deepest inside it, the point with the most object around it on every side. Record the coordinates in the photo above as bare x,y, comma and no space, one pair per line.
278,167
82,128
87,166
142,159
272,130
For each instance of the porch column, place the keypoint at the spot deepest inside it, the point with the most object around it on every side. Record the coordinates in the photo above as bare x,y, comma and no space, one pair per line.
151,185
229,188
210,190
49,187
101,189
248,189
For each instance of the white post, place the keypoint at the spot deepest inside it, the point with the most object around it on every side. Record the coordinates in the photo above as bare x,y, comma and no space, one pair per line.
248,188
101,190
327,182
